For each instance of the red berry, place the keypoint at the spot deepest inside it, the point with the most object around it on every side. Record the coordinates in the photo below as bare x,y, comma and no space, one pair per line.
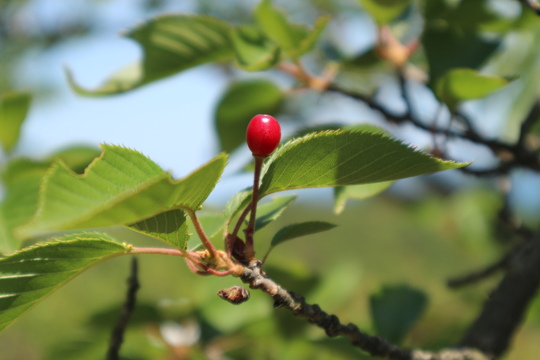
263,135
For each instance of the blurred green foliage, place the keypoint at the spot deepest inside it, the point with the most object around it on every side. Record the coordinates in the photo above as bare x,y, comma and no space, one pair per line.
384,243
415,249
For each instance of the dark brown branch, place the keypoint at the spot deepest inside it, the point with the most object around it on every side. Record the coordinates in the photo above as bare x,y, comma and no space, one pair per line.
511,155
483,273
506,306
374,345
117,336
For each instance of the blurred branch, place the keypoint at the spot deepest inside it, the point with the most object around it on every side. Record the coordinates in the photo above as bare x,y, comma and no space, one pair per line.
483,273
510,155
117,336
374,345
506,306
532,4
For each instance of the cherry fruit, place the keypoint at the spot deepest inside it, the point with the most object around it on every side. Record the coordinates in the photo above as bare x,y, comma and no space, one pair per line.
263,134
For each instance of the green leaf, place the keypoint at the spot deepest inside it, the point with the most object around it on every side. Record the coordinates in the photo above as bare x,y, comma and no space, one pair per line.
395,309
30,275
19,168
338,158
76,157
21,178
458,85
268,212
358,192
241,101
13,110
384,11
169,226
254,51
238,202
294,39
294,231
449,42
171,43
307,43
120,187
364,191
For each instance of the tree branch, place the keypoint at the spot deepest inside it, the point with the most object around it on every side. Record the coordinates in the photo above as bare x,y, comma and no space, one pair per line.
505,308
117,336
374,345
511,155
479,275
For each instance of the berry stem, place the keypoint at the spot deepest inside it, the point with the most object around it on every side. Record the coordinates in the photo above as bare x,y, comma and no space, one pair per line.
249,251
232,238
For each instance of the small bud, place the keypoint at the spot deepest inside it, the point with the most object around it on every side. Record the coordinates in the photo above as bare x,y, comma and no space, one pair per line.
235,295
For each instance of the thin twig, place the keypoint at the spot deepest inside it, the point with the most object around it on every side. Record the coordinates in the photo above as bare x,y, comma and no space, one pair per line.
517,153
374,345
483,273
202,235
249,251
117,336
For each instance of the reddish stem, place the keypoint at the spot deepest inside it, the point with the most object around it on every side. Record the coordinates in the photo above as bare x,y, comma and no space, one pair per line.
249,252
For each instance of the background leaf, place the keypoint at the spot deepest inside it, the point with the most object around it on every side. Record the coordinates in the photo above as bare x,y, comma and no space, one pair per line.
270,211
337,158
28,276
171,43
395,309
294,39
237,203
120,187
449,42
358,192
384,11
466,84
301,229
76,157
254,51
241,101
13,109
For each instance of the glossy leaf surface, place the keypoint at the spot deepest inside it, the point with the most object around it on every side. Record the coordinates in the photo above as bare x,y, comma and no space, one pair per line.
338,158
